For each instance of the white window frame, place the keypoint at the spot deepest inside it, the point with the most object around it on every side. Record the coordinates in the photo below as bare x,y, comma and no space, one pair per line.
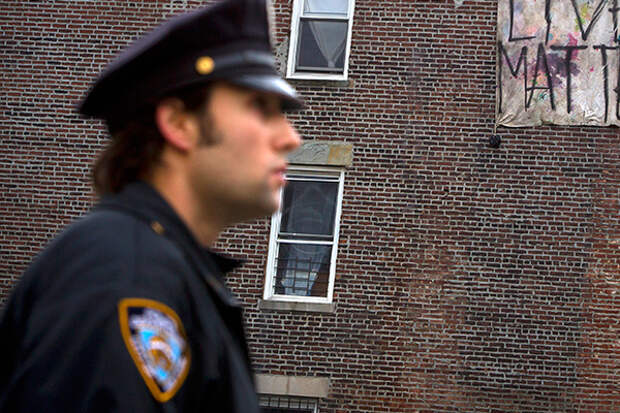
270,272
298,13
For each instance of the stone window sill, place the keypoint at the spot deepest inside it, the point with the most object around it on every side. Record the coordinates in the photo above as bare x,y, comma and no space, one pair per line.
273,305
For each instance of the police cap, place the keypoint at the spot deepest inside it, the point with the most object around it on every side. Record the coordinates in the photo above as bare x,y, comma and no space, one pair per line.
228,41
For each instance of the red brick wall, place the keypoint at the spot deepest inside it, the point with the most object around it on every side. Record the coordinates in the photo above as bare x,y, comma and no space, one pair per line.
469,279
51,51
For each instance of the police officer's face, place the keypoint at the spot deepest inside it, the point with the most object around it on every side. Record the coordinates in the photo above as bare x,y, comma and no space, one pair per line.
241,164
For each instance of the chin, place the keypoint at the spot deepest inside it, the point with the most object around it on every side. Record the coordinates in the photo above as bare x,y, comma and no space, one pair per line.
273,205
264,208
272,208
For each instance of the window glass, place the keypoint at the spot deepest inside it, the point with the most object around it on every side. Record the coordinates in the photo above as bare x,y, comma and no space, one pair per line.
326,6
309,208
302,269
322,44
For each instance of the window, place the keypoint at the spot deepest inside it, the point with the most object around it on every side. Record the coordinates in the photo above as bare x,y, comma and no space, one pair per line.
320,39
304,237
283,404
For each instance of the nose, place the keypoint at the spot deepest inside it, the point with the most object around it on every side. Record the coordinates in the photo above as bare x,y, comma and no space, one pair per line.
287,138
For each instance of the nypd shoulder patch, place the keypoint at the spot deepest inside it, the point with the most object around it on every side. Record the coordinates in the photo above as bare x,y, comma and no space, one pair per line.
157,343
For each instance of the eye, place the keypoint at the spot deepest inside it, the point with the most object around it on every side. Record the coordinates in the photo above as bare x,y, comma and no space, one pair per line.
267,106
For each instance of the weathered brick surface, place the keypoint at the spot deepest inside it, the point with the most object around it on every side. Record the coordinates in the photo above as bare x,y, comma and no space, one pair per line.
469,279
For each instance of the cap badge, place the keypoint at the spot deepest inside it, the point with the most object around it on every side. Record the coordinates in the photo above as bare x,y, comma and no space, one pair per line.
205,65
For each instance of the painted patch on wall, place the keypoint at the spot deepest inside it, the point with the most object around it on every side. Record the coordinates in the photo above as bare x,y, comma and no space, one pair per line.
558,62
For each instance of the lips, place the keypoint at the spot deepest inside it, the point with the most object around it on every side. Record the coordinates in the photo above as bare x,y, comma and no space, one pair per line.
280,173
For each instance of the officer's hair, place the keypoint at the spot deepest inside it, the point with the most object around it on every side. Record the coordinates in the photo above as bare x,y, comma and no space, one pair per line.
136,148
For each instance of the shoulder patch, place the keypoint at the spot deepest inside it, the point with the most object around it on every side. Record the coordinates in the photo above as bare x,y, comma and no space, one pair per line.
157,343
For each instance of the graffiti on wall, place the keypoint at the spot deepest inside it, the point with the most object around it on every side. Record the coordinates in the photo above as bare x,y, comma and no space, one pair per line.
558,62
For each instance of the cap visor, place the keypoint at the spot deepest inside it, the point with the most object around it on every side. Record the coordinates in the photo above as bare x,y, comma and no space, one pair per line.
271,84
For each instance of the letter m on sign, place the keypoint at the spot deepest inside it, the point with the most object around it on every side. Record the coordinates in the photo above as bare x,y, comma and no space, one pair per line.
514,70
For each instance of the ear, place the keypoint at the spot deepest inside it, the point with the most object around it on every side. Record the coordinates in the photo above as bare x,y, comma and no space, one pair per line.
176,125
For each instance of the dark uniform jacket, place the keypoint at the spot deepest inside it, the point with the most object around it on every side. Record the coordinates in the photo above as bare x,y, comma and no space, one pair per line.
125,312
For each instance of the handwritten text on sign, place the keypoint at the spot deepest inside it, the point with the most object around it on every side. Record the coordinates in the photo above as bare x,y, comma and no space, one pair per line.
558,62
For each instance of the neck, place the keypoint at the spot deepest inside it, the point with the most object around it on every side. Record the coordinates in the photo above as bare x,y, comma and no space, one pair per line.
204,224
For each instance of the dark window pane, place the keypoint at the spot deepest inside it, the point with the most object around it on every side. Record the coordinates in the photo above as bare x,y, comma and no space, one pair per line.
309,208
302,270
322,45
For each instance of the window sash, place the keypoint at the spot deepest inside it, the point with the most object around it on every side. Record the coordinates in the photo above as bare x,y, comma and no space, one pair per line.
344,14
313,178
276,240
324,16
304,241
296,71
312,69
299,237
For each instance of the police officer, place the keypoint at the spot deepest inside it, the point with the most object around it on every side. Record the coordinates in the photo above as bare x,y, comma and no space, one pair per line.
127,309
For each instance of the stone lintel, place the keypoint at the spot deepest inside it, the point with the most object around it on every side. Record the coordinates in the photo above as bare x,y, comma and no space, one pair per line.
292,385
323,153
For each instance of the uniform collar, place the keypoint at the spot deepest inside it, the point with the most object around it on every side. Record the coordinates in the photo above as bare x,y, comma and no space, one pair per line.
143,199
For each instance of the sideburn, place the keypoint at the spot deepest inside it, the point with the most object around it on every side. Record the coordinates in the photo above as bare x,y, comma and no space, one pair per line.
208,134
